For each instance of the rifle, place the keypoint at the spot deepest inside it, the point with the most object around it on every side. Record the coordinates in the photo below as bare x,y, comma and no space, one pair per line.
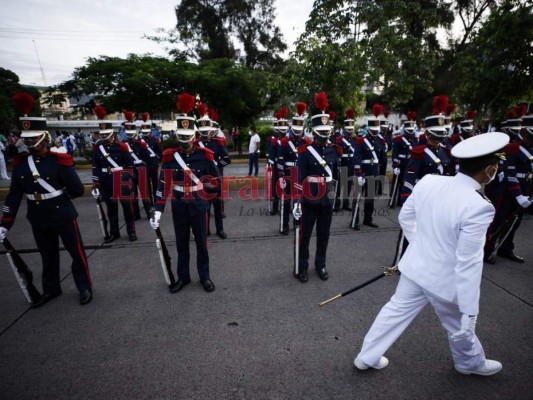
387,271
268,187
497,237
296,246
164,257
102,217
394,195
22,273
355,211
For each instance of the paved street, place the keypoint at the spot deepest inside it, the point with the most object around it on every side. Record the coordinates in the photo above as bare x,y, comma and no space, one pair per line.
261,334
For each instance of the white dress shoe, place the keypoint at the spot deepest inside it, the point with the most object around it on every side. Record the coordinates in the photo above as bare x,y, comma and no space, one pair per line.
490,367
383,362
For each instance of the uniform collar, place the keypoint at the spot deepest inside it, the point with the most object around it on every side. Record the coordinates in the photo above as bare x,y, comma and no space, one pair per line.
467,181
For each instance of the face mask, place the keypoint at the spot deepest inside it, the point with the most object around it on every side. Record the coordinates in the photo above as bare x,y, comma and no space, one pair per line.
491,178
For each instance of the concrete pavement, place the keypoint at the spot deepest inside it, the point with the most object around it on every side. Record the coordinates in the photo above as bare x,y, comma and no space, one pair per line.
261,334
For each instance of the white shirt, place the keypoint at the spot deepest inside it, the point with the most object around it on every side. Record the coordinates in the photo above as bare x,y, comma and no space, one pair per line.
445,221
254,143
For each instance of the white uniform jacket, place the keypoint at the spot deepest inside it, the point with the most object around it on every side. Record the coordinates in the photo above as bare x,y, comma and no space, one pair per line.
445,221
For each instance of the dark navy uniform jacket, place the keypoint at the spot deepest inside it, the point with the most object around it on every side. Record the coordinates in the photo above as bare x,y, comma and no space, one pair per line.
273,155
368,152
187,196
401,150
348,149
58,171
157,150
140,149
517,170
102,168
425,160
315,185
220,151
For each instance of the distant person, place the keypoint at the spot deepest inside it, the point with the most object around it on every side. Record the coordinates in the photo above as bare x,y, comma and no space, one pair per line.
3,169
253,151
67,143
58,147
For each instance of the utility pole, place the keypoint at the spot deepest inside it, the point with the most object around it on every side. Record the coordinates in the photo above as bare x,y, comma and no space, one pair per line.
40,66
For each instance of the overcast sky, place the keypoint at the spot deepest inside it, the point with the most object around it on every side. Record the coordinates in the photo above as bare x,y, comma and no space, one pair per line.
63,34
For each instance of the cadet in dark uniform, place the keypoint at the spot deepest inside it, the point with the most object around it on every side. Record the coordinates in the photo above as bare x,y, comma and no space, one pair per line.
429,158
401,151
367,155
289,155
112,177
345,140
187,174
141,157
218,146
317,166
156,152
49,181
513,191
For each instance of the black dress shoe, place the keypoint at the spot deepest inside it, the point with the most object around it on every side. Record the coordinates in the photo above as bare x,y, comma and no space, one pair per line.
302,276
208,285
285,231
137,217
112,237
371,224
512,256
45,298
86,296
176,287
222,234
490,259
347,208
132,236
322,273
272,212
356,227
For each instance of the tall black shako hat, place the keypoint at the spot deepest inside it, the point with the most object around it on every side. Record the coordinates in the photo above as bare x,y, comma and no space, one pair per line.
297,123
373,122
436,123
129,127
30,126
320,122
145,126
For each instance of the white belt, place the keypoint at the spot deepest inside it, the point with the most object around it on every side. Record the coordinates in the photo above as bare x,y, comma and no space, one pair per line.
347,155
290,164
402,156
188,189
368,162
319,179
523,175
44,196
137,162
112,169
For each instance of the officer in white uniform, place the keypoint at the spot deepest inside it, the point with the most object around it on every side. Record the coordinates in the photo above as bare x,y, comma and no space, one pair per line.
443,263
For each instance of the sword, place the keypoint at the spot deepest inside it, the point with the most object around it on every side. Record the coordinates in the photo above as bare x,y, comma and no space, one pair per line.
268,188
399,248
296,246
282,184
164,257
102,217
22,273
355,210
387,271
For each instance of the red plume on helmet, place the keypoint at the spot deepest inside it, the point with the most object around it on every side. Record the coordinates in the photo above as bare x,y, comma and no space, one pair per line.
377,109
283,112
386,113
350,113
471,114
277,115
128,115
185,103
332,115
439,104
145,116
23,102
301,108
511,114
450,108
100,112
213,115
321,101
520,111
202,109
411,115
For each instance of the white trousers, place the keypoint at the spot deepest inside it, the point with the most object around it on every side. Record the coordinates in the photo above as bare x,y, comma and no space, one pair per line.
402,308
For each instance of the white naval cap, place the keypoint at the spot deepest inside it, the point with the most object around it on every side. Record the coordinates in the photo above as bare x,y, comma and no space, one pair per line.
486,144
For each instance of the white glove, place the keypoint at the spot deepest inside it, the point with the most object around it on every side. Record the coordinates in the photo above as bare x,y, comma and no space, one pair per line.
361,180
96,193
396,171
468,326
523,201
154,221
297,211
3,233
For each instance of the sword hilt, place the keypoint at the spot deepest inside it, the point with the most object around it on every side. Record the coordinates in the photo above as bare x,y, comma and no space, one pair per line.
337,297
